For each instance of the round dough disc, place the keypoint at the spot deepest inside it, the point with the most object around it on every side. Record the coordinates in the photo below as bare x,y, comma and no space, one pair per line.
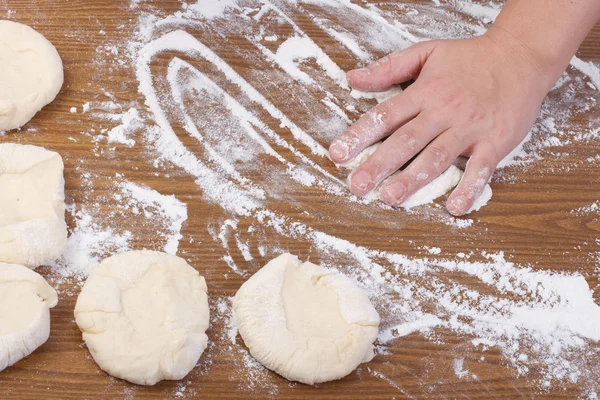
31,74
144,315
25,302
307,323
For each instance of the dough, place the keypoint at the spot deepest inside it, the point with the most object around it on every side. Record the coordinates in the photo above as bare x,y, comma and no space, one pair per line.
436,188
361,157
33,231
31,74
25,302
307,323
143,315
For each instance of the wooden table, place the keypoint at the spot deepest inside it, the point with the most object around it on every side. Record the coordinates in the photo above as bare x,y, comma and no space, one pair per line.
528,219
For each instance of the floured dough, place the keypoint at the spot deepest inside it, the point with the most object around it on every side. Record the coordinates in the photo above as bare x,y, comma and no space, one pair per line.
436,188
361,157
25,302
31,74
433,190
307,323
33,231
144,315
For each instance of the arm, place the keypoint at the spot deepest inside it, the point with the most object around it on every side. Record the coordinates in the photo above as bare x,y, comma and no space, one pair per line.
550,31
474,97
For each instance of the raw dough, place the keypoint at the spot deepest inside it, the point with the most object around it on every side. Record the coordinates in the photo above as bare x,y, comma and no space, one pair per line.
436,188
25,302
31,74
307,323
33,231
144,315
361,157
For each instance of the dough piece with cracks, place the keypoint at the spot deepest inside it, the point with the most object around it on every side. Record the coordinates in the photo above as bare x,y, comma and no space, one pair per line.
144,315
31,74
33,231
25,303
307,323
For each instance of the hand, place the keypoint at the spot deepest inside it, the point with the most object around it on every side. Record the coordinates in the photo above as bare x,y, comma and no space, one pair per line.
474,97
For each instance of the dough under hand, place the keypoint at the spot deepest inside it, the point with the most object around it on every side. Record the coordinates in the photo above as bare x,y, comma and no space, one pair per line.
33,231
25,302
31,74
428,193
144,315
307,323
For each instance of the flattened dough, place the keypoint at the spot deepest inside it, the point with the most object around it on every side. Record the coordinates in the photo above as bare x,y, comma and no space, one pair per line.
307,323
31,74
144,315
33,231
435,189
25,302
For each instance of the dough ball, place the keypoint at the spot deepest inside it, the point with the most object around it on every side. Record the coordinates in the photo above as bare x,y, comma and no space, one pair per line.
31,74
25,302
33,231
144,315
307,323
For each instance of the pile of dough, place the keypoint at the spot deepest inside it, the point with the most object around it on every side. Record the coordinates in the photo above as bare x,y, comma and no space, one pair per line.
31,74
33,231
25,302
144,315
307,323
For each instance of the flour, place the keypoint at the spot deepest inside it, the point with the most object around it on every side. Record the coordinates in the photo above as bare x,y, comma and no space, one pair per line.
168,208
588,69
130,122
302,48
87,245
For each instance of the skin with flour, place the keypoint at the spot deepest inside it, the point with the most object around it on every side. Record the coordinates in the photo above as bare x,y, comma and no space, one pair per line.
475,97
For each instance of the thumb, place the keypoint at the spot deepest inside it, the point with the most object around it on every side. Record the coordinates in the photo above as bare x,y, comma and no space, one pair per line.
392,69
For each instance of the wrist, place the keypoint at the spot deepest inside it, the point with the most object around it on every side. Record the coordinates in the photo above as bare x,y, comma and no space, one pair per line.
542,64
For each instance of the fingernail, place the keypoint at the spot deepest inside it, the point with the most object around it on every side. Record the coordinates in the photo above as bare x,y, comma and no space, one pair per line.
340,150
393,195
362,71
361,182
457,206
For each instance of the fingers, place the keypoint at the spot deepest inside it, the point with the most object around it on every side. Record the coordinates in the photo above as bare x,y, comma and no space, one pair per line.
374,126
432,161
396,151
392,69
478,172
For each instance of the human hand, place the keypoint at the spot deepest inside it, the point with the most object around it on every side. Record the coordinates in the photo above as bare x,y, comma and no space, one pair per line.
474,97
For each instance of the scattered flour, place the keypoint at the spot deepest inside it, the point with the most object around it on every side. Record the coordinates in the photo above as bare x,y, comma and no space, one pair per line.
168,208
88,244
459,368
130,122
589,69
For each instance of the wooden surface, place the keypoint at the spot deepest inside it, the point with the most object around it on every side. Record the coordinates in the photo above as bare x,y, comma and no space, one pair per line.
529,220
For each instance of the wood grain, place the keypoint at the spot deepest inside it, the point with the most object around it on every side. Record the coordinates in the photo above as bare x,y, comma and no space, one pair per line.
529,220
